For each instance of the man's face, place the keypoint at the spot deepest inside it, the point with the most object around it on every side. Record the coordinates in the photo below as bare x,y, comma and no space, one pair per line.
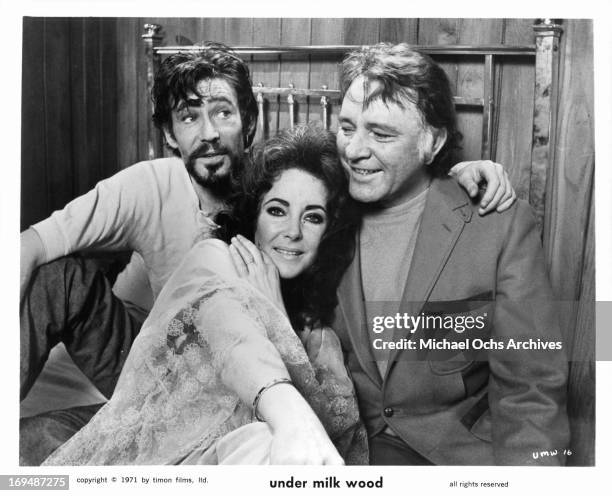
385,148
207,132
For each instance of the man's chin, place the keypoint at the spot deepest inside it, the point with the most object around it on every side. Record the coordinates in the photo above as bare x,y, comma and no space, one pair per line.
364,195
218,183
204,174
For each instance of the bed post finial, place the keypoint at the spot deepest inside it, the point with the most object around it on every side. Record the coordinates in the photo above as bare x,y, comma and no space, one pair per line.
291,104
547,35
261,125
152,38
152,31
324,104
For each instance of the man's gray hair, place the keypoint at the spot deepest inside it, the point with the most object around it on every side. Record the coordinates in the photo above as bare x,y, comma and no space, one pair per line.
405,75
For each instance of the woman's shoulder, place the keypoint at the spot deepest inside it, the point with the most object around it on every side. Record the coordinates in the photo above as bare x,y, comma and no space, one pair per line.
213,254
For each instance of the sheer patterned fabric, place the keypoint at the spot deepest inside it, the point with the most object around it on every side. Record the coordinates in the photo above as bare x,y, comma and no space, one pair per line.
174,399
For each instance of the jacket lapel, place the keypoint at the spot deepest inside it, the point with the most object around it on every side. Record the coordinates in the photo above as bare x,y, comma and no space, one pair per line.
446,212
351,303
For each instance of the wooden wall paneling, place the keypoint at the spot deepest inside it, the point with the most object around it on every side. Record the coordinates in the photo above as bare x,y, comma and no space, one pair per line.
567,226
86,108
470,76
179,30
359,32
213,29
295,69
33,132
404,30
57,112
363,31
438,31
581,406
325,71
267,32
514,115
441,32
129,80
238,31
143,96
571,177
108,97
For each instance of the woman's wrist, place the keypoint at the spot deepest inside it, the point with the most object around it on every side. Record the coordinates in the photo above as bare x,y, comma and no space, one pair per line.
282,406
262,391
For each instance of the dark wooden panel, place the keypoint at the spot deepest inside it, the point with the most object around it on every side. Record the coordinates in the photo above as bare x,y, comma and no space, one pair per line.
129,80
213,30
57,113
361,31
581,404
572,174
108,97
33,133
86,107
399,30
470,77
567,225
295,69
142,95
438,31
326,31
179,30
267,70
238,31
441,32
514,115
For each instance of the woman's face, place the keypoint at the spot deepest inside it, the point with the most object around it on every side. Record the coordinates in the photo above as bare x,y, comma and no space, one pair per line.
292,220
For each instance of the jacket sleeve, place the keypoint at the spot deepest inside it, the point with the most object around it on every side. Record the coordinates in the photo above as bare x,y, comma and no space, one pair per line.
527,387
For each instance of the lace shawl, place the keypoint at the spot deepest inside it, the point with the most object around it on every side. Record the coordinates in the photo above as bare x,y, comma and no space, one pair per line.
170,399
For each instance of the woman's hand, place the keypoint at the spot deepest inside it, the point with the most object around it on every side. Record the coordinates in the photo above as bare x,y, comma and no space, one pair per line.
298,437
257,267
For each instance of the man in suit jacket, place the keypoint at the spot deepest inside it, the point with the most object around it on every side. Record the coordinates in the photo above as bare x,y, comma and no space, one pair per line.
423,250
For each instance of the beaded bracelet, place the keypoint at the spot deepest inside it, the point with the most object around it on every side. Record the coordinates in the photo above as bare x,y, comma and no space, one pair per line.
263,390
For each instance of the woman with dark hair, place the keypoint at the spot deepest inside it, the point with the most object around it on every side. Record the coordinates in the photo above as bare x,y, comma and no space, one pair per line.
310,298
238,333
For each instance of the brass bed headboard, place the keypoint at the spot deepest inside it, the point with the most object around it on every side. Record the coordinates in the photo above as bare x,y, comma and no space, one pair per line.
544,55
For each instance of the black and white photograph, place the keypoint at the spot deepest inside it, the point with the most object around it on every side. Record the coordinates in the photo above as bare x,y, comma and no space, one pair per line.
310,240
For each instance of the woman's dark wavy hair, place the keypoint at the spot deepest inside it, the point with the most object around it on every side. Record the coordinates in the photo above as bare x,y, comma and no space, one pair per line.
310,298
408,76
180,73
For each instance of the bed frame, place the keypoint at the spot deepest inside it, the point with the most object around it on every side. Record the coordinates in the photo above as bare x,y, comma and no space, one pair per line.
544,54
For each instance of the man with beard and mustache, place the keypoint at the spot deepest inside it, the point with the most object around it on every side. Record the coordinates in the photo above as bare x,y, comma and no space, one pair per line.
157,209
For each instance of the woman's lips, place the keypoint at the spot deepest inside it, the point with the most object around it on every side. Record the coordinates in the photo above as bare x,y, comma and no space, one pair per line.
288,253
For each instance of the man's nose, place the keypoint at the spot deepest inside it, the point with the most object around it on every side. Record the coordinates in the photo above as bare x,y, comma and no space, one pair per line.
356,149
208,130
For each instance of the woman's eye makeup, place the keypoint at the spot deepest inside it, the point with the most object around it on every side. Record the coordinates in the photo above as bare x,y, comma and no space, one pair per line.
315,218
275,211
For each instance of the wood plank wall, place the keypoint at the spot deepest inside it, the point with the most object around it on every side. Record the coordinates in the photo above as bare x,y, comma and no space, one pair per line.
84,116
69,111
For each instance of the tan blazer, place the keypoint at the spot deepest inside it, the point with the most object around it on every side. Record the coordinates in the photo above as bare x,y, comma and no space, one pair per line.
463,407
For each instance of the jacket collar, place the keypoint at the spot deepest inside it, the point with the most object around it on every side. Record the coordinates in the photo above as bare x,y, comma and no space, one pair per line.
447,209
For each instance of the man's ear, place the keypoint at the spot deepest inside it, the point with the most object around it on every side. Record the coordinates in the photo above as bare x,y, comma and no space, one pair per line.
170,138
438,137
